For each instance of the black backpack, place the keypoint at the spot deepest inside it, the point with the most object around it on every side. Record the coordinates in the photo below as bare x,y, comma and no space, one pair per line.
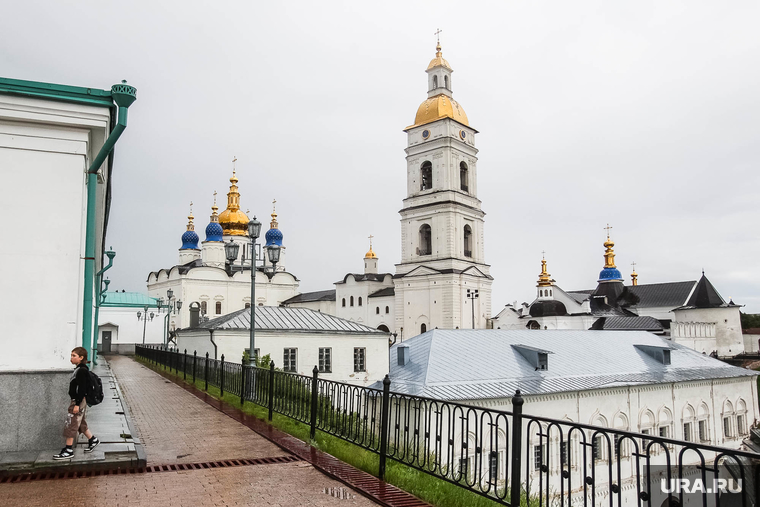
94,394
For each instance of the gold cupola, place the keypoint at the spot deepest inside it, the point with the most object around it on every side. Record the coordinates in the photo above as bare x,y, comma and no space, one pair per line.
544,279
233,221
370,254
634,275
439,103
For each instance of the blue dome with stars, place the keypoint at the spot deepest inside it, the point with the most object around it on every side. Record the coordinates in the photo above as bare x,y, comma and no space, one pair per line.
273,237
608,274
189,241
214,232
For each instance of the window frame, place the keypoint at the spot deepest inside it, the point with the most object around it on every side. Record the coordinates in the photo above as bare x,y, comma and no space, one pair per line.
325,360
290,363
360,359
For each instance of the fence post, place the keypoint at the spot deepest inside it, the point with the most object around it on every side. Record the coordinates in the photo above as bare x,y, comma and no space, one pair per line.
271,389
195,361
184,365
384,416
242,381
514,482
221,388
205,372
314,394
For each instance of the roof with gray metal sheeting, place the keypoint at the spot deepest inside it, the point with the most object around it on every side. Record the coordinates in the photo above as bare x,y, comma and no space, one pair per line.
287,319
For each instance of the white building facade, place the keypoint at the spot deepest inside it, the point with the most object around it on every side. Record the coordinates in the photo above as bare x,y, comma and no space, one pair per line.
52,140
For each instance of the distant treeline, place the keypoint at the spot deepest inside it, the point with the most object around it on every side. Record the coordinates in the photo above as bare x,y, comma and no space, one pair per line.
750,320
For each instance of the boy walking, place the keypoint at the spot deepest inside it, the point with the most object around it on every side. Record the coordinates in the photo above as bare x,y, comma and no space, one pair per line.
75,421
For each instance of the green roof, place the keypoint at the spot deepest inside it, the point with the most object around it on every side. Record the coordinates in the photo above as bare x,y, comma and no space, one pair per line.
128,300
64,93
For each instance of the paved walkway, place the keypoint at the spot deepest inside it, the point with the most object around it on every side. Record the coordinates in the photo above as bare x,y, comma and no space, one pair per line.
177,427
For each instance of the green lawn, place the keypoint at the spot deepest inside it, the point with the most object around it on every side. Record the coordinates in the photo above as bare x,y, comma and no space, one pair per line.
424,486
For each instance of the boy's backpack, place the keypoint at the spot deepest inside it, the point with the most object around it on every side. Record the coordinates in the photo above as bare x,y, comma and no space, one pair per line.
94,390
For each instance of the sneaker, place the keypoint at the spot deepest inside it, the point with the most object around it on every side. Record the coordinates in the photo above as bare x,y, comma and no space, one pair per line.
66,453
93,443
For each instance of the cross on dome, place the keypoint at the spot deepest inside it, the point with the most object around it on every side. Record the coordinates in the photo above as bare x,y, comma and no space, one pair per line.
370,254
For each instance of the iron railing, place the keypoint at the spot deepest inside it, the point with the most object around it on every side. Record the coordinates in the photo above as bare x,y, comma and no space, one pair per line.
556,462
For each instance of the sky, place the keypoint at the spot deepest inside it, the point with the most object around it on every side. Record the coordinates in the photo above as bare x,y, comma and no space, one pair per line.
643,115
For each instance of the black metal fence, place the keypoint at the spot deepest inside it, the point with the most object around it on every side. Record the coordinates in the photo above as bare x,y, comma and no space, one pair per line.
555,462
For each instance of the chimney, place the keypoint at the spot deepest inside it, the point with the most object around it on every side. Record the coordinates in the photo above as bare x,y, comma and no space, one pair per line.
195,314
402,352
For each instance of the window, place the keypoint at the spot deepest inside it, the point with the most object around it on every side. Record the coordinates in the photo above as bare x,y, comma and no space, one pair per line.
377,311
563,453
645,441
741,425
446,82
352,300
538,456
435,82
727,427
204,308
597,451
619,448
289,360
540,293
467,241
664,431
384,328
687,432
426,176
423,328
702,427
463,179
359,355
247,305
493,465
360,300
426,247
387,309
325,360
344,302
218,307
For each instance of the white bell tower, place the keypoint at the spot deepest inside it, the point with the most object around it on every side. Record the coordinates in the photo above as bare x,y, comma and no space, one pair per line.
442,249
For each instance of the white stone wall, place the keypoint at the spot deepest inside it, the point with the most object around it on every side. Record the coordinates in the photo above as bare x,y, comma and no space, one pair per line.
126,329
231,343
728,328
45,149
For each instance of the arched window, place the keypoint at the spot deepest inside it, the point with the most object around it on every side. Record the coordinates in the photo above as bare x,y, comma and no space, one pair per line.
352,300
425,247
540,293
387,310
383,327
426,176
218,307
344,302
435,82
204,308
360,300
467,241
247,305
423,328
377,311
463,177
446,82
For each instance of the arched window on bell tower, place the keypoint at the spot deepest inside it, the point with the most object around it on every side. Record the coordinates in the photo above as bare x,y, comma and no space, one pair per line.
446,82
463,177
435,82
426,247
467,241
426,176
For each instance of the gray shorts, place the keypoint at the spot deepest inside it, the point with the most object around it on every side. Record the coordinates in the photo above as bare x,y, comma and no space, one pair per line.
75,423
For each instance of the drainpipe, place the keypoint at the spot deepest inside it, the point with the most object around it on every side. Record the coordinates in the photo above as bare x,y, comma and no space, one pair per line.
211,337
123,95
99,275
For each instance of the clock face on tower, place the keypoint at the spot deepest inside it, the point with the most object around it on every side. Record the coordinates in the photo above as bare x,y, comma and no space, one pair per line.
425,134
462,134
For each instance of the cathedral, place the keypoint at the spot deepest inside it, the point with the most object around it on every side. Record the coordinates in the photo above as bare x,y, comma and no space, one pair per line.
442,280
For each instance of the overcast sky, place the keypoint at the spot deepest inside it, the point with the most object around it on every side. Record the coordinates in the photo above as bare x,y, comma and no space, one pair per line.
644,115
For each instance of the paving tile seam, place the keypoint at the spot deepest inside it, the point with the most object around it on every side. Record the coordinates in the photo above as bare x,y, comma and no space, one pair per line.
169,467
366,484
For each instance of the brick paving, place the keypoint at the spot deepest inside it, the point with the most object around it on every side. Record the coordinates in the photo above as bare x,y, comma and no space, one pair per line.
177,427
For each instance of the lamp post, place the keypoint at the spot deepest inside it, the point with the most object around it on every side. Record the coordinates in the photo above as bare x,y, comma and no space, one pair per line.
144,317
99,299
172,308
472,295
231,250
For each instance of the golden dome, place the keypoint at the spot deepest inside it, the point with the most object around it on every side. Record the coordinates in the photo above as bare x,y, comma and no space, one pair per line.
233,221
370,254
439,107
544,279
439,61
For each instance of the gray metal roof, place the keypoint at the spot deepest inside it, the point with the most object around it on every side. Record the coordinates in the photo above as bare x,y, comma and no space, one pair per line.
631,323
480,364
388,291
305,297
279,318
652,295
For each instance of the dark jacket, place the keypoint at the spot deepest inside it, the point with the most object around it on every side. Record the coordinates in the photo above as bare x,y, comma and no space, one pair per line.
80,380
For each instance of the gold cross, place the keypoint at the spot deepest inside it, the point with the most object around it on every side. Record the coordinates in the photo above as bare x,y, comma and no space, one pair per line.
370,240
191,207
608,229
634,265
214,197
274,205
543,254
234,159
438,35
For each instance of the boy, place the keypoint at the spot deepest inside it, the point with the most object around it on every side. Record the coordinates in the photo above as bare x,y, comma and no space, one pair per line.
75,423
